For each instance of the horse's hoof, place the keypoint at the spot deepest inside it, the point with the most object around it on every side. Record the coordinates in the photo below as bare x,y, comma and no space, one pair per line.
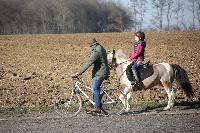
127,109
166,108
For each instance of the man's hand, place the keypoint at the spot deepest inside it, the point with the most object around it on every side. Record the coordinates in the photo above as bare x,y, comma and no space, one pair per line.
75,75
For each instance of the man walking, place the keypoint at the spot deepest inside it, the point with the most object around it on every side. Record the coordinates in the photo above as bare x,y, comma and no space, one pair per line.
100,72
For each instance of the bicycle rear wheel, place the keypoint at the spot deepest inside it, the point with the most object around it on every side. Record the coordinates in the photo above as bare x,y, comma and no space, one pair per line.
66,104
111,102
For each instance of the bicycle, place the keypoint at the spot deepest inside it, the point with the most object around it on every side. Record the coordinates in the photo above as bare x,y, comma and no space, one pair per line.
69,102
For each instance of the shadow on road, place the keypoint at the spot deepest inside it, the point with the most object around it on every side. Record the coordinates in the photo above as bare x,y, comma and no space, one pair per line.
188,105
179,106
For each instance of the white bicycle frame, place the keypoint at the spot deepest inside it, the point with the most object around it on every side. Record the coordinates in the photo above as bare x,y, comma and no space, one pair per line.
110,101
77,86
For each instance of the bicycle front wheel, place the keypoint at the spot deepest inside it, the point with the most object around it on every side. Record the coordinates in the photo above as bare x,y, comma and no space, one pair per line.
111,102
66,104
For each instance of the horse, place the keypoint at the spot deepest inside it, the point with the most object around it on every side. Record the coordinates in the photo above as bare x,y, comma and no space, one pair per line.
163,74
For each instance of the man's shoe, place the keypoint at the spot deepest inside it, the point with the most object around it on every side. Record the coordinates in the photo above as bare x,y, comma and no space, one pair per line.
94,110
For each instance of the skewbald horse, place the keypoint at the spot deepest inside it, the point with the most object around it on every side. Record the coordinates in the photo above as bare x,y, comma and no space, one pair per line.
162,74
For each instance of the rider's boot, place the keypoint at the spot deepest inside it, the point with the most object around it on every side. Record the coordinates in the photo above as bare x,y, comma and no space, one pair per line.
135,81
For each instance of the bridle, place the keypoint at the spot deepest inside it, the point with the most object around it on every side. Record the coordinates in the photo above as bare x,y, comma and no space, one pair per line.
113,61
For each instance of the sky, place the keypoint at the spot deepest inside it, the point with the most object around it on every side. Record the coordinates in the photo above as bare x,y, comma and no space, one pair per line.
147,15
124,2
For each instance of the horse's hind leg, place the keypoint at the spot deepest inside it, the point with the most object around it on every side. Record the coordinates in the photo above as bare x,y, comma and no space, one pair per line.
171,95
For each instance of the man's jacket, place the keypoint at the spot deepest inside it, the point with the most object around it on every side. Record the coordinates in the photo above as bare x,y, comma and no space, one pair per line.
98,58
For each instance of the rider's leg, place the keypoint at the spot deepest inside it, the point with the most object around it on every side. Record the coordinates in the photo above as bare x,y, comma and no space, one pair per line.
134,66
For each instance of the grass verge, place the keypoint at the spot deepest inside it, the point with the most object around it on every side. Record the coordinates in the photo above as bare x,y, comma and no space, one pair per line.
147,105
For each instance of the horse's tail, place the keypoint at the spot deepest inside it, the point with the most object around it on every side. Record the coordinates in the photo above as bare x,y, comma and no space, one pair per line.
183,80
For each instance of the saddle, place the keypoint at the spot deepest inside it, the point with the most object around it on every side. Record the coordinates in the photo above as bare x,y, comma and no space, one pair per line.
145,70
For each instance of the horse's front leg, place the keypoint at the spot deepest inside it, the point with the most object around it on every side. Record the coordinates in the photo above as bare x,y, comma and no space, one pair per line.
125,100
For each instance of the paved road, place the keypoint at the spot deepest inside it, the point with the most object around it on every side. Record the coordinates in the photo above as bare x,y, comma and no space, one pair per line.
148,122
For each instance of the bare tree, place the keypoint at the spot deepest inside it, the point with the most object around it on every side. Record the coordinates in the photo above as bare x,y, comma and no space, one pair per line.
179,13
169,12
61,13
198,12
159,6
192,7
138,8
134,8
141,12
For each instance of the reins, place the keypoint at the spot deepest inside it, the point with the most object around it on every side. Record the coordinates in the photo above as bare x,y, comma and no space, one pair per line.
118,81
123,62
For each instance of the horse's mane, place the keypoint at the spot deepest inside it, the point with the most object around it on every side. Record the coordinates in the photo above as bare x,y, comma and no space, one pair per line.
120,54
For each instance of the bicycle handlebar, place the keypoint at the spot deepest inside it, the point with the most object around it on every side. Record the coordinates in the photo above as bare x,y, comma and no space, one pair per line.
75,77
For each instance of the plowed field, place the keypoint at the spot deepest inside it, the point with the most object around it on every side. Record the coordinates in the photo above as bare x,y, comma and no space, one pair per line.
34,68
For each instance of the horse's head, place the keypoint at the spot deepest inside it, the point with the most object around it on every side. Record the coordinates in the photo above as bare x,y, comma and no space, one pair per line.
112,59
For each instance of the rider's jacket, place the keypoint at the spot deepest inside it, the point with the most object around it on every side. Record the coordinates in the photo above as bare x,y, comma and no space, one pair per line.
138,51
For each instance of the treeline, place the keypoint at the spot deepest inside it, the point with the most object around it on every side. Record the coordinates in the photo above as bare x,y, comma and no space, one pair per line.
61,16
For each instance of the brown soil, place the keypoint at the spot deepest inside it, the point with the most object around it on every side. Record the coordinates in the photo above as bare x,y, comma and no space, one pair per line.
35,67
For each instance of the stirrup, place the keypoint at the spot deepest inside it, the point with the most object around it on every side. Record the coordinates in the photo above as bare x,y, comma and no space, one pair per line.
134,83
